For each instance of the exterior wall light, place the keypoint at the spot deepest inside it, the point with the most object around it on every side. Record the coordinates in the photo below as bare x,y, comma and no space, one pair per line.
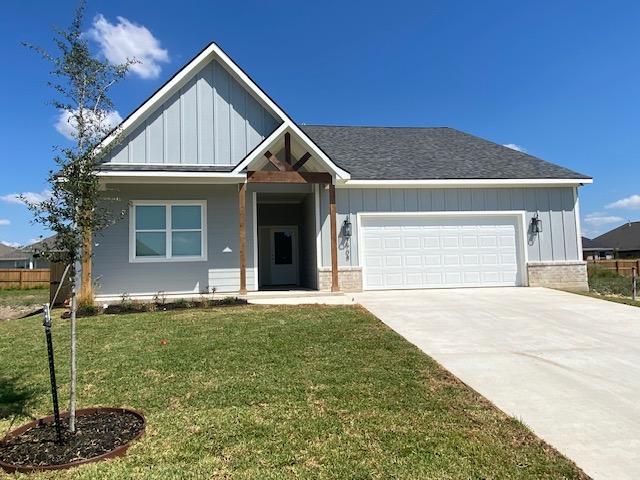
347,229
536,224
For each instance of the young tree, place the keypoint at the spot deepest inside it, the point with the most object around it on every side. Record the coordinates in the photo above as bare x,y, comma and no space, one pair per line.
73,211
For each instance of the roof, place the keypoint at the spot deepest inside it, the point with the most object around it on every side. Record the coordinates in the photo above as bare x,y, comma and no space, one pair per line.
410,153
625,237
24,253
406,153
10,253
44,244
357,153
589,244
6,250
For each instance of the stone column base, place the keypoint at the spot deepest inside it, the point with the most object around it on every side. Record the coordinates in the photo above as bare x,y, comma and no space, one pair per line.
562,275
349,279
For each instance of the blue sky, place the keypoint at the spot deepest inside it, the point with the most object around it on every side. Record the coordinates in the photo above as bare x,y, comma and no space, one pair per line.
558,79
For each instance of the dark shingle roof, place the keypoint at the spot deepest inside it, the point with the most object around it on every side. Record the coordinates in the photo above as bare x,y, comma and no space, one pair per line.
13,254
6,250
589,244
407,153
624,237
45,244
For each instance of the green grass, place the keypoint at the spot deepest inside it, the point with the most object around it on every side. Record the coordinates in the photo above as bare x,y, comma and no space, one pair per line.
16,297
269,393
606,284
611,298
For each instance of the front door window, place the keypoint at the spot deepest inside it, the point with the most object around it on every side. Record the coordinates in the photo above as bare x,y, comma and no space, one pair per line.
284,256
283,248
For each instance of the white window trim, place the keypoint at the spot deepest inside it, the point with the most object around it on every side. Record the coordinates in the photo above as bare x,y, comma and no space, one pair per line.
168,230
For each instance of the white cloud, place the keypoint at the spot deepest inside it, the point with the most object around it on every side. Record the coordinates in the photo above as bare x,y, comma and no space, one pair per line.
513,146
598,219
4,221
31,197
126,40
66,123
630,202
11,244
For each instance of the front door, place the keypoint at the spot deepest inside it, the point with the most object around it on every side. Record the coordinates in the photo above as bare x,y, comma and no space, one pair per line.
284,256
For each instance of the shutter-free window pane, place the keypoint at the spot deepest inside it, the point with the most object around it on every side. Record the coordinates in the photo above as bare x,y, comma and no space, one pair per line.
283,248
150,217
151,244
185,217
186,244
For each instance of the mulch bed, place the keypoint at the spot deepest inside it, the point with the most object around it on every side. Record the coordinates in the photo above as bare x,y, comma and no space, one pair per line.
138,306
97,433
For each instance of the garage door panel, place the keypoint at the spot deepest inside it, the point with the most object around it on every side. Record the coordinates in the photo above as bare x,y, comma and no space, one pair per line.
423,252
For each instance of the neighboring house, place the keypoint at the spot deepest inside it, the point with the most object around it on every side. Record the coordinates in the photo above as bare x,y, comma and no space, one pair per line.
595,250
625,240
8,252
26,257
223,190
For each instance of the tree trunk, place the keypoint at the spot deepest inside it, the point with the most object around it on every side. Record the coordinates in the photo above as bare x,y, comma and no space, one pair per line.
73,373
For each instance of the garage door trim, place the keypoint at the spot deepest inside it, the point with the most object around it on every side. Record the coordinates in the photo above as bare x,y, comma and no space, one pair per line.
519,215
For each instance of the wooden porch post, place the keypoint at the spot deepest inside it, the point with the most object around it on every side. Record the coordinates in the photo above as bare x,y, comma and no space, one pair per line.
242,190
86,285
334,238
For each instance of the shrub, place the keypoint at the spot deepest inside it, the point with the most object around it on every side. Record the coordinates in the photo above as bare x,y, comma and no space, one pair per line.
608,282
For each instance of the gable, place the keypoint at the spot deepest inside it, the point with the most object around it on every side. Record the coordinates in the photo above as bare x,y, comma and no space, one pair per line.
212,119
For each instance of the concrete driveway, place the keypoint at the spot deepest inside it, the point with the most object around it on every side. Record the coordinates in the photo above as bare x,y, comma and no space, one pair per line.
568,366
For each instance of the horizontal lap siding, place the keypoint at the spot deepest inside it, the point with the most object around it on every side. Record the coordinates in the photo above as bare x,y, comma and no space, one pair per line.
115,275
557,242
211,120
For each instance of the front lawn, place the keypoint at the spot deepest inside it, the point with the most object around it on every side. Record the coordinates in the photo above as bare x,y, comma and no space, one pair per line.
272,392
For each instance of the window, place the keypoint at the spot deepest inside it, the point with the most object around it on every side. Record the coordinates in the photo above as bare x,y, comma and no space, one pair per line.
167,231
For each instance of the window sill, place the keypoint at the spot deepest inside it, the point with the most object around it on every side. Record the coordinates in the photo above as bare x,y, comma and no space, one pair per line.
167,260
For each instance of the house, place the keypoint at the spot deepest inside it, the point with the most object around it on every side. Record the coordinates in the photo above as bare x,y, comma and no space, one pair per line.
222,189
625,240
594,250
6,251
27,257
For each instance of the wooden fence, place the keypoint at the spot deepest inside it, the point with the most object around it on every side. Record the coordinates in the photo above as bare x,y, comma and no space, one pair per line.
57,271
621,267
22,278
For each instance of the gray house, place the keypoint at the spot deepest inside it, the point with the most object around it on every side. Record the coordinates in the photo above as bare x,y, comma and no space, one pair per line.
222,189
27,257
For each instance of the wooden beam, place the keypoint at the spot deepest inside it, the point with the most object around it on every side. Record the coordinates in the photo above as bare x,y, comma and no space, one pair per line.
275,161
287,148
288,177
335,287
302,161
86,285
242,201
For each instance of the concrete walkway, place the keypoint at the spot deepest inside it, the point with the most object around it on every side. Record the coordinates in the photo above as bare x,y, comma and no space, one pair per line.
568,366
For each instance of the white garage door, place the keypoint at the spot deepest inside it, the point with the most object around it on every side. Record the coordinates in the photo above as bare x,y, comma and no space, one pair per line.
436,252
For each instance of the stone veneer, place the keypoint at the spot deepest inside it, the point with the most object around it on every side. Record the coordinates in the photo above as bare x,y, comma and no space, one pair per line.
563,275
349,279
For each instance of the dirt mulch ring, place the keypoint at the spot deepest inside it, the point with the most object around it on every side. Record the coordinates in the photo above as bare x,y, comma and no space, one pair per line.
100,433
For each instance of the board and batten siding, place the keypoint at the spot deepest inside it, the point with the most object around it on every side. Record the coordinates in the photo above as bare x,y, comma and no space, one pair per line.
114,275
554,205
211,120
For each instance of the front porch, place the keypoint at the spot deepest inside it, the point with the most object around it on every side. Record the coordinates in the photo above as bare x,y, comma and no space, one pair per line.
285,189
